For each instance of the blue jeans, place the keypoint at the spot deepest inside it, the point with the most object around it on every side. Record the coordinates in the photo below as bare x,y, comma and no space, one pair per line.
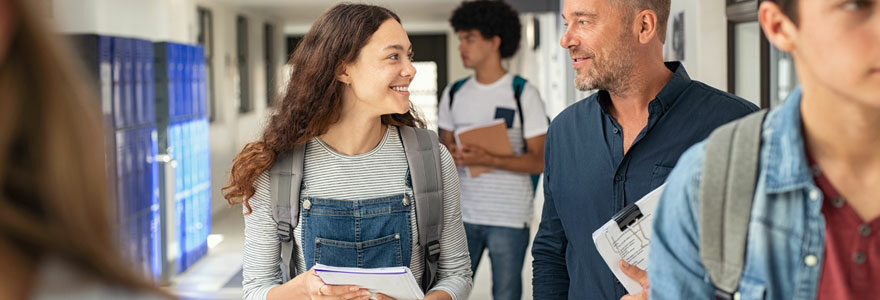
507,252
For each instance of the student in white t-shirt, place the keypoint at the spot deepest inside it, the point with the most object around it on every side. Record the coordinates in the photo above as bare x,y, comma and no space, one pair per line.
496,206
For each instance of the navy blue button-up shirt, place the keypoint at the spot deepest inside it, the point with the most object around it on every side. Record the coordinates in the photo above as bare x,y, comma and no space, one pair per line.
588,179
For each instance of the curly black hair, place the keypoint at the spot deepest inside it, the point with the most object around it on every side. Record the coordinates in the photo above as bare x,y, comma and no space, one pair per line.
492,18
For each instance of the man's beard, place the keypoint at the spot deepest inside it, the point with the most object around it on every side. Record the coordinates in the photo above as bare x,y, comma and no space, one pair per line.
610,73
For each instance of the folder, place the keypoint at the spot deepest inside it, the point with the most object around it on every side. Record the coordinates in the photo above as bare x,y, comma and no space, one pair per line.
396,282
492,137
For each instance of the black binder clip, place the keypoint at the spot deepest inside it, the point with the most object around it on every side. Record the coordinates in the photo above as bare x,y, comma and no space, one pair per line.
628,216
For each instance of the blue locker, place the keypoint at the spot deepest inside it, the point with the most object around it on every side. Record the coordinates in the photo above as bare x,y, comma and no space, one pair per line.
130,190
170,60
127,82
155,230
120,177
206,170
180,81
174,136
194,83
105,75
138,168
198,93
134,173
187,202
172,79
187,78
118,109
139,111
148,76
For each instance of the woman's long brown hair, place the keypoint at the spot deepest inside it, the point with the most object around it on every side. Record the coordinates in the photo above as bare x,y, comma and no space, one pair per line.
54,199
314,96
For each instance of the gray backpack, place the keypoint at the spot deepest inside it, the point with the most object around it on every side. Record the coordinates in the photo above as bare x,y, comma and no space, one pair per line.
422,154
727,188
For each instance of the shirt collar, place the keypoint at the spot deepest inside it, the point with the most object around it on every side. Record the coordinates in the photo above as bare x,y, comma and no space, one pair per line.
784,160
667,96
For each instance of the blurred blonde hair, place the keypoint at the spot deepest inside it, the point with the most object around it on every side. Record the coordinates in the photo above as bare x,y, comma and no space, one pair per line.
54,198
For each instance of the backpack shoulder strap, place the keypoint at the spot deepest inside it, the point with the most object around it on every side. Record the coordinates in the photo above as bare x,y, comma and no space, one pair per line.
727,188
519,84
422,149
286,179
454,89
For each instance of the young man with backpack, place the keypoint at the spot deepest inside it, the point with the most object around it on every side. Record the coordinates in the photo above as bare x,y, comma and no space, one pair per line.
786,205
496,206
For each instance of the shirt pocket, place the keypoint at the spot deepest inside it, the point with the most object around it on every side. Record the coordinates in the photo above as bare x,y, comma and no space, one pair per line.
659,174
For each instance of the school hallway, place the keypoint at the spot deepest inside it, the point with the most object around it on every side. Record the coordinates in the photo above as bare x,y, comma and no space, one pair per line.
185,85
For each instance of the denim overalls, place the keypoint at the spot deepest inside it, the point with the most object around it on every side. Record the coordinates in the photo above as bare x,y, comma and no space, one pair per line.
369,233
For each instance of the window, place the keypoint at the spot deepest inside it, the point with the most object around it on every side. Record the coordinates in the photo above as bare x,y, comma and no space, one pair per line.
206,40
245,104
269,58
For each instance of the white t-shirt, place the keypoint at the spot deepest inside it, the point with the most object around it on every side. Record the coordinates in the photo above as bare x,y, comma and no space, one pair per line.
497,198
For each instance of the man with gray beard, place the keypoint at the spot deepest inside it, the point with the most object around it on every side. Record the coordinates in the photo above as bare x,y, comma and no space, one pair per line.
610,149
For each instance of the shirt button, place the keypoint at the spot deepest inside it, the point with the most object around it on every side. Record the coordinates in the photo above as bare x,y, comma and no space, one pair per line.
737,296
865,230
814,195
811,260
838,201
618,178
859,258
307,204
616,131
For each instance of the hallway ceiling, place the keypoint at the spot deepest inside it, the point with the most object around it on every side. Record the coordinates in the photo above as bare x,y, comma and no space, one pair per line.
305,11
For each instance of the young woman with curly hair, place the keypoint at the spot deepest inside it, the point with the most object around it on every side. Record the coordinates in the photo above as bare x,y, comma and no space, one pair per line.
346,100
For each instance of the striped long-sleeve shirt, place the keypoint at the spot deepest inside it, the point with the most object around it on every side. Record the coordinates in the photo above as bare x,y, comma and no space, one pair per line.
378,173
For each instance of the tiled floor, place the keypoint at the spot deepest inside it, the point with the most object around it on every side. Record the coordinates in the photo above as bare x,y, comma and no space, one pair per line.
216,275
208,278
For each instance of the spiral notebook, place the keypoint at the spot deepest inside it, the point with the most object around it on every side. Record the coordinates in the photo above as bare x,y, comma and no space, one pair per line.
397,282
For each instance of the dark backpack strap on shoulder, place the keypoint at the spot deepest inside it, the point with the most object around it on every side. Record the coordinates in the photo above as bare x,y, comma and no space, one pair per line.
727,189
454,89
422,149
519,84
286,179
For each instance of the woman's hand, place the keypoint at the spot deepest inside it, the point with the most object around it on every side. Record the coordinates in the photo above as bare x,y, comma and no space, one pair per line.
309,286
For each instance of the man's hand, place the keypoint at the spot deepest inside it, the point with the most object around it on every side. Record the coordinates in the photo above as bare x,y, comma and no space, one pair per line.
639,276
470,155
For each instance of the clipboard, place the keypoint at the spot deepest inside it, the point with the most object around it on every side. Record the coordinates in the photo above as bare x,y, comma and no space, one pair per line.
627,236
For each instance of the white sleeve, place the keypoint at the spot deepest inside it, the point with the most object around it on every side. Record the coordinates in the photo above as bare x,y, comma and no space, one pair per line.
535,122
262,251
444,118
